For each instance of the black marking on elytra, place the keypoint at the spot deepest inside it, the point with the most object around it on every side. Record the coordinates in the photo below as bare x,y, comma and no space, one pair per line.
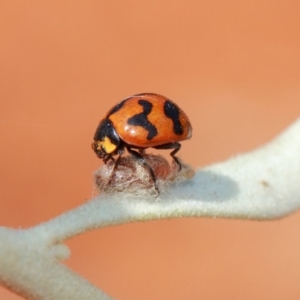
141,119
117,107
172,111
106,129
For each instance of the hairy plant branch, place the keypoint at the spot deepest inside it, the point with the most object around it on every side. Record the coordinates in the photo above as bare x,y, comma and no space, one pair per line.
262,184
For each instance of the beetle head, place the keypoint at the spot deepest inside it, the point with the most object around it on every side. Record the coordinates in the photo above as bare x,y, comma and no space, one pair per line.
106,140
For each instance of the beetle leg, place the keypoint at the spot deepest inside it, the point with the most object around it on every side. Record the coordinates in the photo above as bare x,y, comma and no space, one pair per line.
140,159
176,146
107,158
116,162
142,151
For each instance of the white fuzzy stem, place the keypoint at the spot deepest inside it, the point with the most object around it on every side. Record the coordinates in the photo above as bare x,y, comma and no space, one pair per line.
263,184
31,268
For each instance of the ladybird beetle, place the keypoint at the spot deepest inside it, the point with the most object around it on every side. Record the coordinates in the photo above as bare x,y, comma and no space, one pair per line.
139,122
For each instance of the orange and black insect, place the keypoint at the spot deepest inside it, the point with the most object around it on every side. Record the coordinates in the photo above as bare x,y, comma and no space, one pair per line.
139,122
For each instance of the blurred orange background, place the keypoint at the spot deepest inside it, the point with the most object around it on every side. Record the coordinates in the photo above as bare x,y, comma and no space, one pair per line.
232,66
